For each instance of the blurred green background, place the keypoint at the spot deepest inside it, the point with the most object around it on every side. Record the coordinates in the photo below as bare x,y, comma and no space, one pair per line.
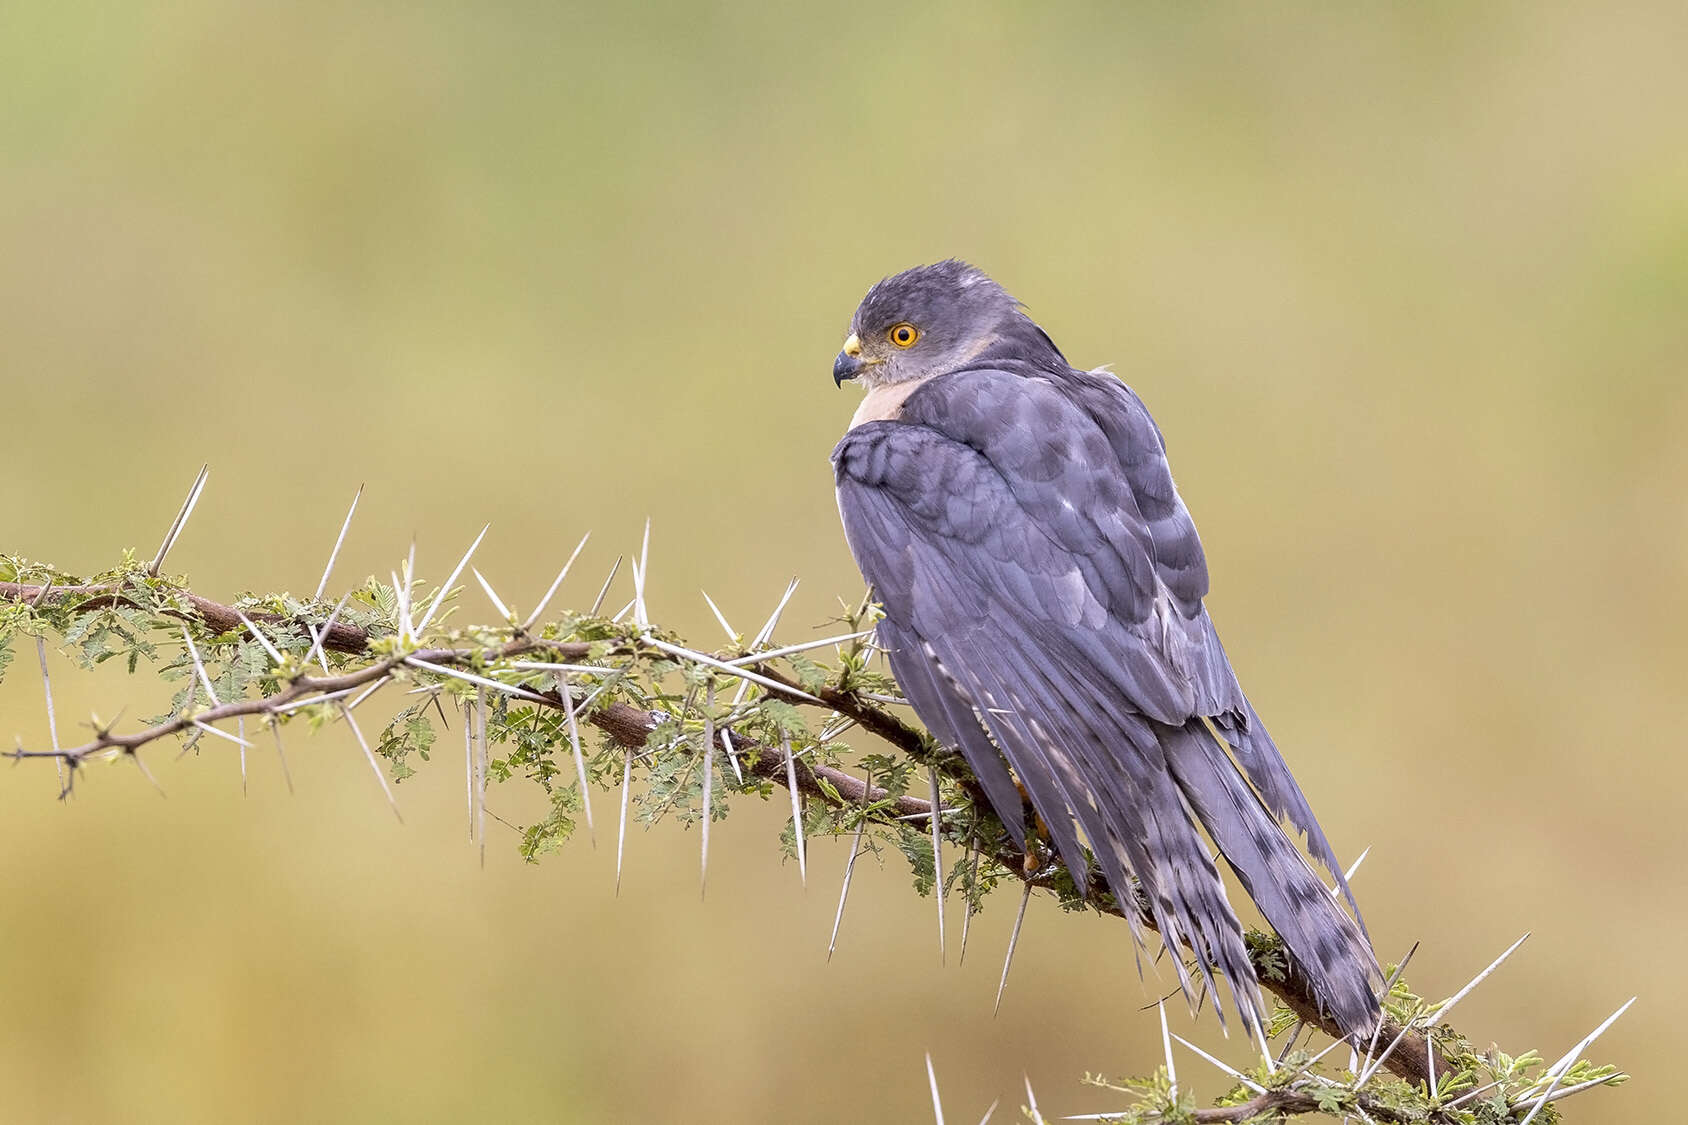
1404,285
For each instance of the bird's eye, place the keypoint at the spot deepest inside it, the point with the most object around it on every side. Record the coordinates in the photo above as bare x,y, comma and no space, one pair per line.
903,335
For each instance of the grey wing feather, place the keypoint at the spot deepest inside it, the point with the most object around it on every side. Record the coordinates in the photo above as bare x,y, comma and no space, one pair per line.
1182,565
1036,623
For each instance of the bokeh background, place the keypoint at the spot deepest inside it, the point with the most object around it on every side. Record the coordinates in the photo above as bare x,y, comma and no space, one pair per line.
1405,286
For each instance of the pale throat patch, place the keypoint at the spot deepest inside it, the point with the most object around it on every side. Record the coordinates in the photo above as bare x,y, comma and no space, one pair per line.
884,403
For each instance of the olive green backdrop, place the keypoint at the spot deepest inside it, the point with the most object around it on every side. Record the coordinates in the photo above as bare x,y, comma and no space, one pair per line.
1405,287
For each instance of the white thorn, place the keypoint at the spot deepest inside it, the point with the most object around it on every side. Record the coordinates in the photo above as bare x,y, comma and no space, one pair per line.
251,627
1166,1045
240,729
335,553
850,865
621,834
281,754
469,768
558,581
481,762
319,641
52,718
1348,876
788,650
937,1103
1013,940
369,755
1037,1114
598,602
569,717
179,523
479,681
1564,1065
1442,1012
719,616
767,629
937,859
209,729
445,590
1234,1073
492,596
742,673
199,668
796,809
641,571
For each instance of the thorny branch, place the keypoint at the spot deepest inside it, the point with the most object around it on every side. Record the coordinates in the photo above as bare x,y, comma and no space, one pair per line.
631,727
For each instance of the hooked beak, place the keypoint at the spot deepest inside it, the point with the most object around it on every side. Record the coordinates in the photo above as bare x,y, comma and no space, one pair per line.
849,363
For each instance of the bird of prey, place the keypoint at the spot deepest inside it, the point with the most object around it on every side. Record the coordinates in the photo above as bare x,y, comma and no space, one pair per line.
1042,584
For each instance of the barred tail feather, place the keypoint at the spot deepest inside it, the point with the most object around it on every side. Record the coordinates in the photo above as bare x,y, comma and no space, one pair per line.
1325,944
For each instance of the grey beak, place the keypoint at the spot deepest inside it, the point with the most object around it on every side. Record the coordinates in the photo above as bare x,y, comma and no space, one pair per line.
846,366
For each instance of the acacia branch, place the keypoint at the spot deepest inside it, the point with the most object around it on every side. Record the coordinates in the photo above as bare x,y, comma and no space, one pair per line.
631,727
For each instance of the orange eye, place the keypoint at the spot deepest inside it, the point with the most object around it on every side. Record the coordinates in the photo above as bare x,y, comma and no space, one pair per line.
903,335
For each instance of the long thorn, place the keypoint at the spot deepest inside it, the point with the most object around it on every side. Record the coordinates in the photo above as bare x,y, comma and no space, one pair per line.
492,596
967,890
742,673
719,616
626,794
52,717
937,858
199,667
469,768
598,602
796,809
571,720
1037,1114
369,755
1348,876
641,573
274,653
281,755
180,521
1013,940
556,582
445,590
341,538
767,629
209,729
937,1102
850,865
481,770
1166,1044
1571,1057
146,773
986,1119
319,641
1442,1012
789,650
479,681
1234,1073
240,729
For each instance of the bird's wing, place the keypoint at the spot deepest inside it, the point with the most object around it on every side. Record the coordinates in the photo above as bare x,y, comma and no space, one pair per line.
1029,620
1181,565
1024,615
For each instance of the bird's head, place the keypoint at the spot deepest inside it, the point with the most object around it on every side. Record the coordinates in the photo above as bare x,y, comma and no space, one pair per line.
934,319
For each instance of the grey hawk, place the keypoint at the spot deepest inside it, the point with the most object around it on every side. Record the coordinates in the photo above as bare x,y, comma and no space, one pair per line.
1042,584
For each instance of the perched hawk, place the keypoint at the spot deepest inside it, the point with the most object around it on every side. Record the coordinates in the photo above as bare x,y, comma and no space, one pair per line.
1042,584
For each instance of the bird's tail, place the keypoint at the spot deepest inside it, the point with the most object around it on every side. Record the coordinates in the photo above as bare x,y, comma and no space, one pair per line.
1325,945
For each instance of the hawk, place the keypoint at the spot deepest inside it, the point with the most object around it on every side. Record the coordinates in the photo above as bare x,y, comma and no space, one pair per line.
1042,583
